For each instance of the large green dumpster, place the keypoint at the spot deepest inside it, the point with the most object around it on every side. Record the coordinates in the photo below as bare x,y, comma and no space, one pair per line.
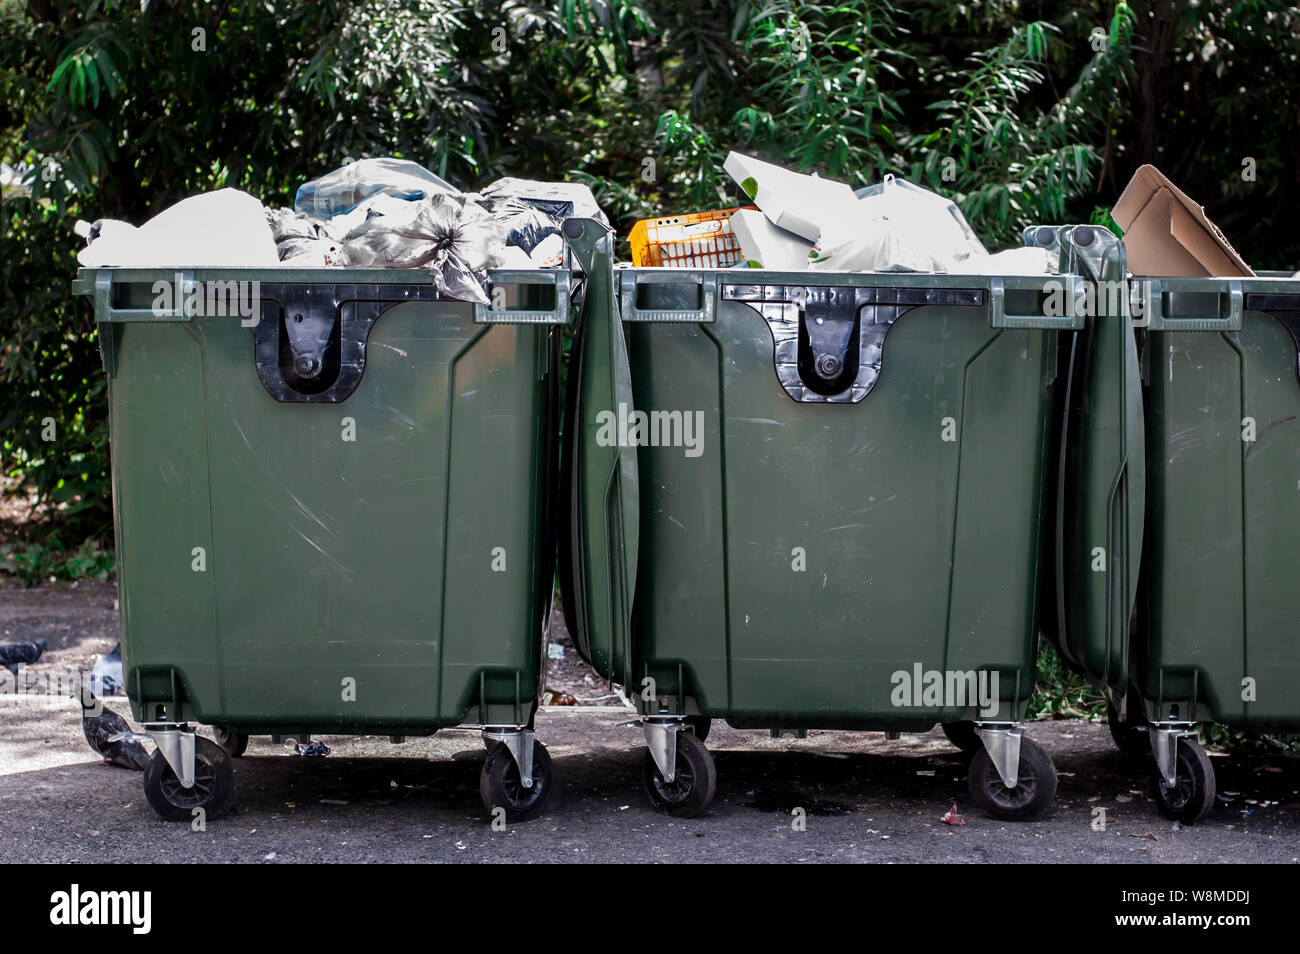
332,502
814,500
1218,613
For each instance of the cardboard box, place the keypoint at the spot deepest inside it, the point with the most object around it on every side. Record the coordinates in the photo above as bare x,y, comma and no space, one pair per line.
764,243
1167,234
794,202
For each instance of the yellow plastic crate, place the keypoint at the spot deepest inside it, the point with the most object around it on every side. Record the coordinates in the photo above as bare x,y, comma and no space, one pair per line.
691,240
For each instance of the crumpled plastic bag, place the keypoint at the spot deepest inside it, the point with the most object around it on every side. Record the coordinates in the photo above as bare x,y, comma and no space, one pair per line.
526,225
303,240
897,226
456,239
214,229
345,188
561,200
533,213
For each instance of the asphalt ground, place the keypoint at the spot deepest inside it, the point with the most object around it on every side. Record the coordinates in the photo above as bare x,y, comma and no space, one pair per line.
861,798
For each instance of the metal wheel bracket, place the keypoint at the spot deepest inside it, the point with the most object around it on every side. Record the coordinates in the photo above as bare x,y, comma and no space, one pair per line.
1002,742
661,739
176,743
519,742
1164,746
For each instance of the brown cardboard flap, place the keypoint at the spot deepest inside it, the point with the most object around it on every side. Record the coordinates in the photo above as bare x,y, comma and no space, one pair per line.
1168,234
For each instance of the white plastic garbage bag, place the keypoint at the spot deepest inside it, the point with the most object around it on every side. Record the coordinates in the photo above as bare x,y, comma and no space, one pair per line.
345,188
897,226
223,228
1030,260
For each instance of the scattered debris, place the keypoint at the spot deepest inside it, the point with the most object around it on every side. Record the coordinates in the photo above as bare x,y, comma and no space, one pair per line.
313,748
952,818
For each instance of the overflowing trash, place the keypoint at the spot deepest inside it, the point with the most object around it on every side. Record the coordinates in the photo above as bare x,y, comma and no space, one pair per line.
806,222
215,229
456,239
1168,233
372,213
692,240
799,204
347,187
897,226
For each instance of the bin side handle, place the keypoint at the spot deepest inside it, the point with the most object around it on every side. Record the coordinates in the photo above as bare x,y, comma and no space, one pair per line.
181,292
630,280
1152,296
495,311
1066,291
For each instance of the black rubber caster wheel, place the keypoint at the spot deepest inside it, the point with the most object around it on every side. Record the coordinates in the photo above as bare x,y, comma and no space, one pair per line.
500,786
1035,784
691,791
233,743
214,782
1130,735
962,735
1190,799
701,725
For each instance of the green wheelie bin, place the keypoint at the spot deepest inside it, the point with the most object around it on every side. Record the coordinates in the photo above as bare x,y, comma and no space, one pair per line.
798,500
332,499
1090,582
1215,634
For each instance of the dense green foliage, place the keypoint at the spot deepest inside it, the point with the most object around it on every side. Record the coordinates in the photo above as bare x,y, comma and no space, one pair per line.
1023,111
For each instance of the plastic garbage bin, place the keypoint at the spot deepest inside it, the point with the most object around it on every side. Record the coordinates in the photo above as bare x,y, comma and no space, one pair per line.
1218,613
803,500
332,503
1090,582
